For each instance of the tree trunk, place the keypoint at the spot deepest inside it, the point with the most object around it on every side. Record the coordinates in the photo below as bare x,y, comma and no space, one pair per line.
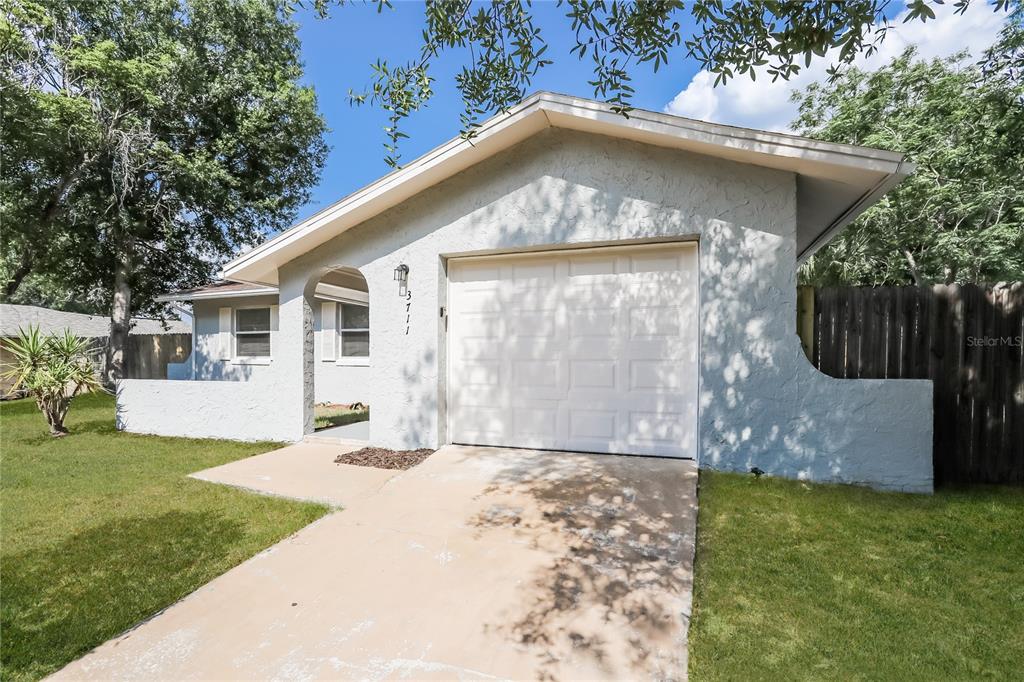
21,271
120,318
46,218
54,411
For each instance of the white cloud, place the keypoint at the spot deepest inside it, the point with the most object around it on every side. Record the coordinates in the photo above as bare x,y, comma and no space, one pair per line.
765,105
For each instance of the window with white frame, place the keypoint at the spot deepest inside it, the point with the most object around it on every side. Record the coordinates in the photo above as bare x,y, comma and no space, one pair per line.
252,332
354,329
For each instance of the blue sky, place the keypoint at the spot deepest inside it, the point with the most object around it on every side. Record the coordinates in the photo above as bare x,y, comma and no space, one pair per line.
338,52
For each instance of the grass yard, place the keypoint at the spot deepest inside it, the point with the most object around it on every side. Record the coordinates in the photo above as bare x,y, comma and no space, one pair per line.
326,416
801,582
102,529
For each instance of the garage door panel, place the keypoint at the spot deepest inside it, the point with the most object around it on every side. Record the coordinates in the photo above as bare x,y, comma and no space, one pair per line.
538,422
591,266
658,321
535,374
481,325
587,351
667,262
479,349
593,374
481,373
535,273
593,424
469,273
480,301
592,323
481,421
656,375
533,323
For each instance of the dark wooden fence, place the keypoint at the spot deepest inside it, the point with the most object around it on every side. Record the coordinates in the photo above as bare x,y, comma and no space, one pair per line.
969,340
148,354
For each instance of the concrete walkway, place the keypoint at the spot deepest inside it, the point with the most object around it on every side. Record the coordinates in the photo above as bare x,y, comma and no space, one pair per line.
480,563
304,471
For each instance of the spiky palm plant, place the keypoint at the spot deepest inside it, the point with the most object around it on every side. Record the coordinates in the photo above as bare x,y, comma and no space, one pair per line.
53,369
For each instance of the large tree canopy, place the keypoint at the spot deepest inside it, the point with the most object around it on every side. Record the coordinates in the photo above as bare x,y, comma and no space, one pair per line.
504,49
960,216
147,140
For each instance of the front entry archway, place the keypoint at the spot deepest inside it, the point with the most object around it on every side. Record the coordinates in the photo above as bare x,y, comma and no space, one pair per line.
340,302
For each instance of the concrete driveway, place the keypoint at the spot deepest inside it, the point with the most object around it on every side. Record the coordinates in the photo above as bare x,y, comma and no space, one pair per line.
479,563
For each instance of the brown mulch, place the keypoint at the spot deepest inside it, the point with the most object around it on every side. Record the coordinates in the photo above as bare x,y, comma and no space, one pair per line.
382,458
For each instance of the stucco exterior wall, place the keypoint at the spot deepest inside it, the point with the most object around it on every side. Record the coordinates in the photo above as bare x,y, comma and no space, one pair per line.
334,383
761,403
239,410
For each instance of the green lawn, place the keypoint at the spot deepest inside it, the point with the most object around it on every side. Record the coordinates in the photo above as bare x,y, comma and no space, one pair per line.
101,529
801,582
326,416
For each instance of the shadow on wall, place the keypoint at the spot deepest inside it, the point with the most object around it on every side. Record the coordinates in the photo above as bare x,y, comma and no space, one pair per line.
615,529
762,404
515,200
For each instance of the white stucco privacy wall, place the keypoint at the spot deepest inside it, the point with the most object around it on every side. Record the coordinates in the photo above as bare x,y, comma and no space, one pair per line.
761,403
239,410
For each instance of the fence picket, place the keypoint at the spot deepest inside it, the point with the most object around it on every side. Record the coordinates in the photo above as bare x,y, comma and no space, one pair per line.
966,339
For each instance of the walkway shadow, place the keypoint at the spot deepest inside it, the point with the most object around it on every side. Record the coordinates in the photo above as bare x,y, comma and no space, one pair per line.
621,559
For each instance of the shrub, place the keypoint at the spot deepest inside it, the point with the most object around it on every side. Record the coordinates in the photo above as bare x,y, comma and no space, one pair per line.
52,369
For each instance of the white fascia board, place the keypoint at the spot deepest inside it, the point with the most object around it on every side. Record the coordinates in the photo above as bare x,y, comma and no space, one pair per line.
857,166
332,292
324,291
262,291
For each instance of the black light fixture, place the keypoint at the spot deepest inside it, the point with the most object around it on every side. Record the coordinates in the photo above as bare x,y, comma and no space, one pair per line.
402,277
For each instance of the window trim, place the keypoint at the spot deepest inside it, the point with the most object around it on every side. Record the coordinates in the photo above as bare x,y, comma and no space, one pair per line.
235,333
351,360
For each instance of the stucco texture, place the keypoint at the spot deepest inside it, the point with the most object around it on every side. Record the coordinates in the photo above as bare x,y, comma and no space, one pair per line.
761,403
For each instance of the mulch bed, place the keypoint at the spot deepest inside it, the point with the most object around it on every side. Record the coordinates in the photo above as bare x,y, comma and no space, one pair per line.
382,458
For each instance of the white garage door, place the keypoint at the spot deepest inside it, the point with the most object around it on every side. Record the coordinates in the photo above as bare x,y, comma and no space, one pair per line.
591,350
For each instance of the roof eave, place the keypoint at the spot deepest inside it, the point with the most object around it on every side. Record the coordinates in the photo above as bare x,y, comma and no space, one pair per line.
903,170
200,295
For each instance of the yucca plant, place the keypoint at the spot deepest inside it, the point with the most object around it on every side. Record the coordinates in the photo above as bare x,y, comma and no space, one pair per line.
53,369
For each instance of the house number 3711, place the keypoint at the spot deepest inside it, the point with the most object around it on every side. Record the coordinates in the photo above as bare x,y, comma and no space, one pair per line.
408,307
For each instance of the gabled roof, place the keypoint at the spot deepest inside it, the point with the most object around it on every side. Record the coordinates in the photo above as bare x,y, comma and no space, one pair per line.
14,317
835,182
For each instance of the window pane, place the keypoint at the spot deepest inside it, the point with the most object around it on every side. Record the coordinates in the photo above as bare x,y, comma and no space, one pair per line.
252,320
355,344
354,316
253,345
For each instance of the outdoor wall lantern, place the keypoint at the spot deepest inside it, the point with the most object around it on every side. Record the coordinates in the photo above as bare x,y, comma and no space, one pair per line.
402,277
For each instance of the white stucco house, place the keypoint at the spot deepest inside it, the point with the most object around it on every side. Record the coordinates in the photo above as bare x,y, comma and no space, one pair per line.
569,279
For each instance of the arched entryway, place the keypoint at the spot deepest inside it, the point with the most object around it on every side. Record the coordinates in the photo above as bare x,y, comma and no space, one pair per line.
341,355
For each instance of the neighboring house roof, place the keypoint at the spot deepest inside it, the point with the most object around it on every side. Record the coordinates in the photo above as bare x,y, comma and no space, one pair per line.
14,317
835,182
